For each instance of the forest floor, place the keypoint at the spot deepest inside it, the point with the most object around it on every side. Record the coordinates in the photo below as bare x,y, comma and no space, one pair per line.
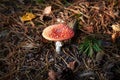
92,54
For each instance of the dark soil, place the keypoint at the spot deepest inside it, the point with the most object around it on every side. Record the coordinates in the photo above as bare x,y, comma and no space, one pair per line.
26,55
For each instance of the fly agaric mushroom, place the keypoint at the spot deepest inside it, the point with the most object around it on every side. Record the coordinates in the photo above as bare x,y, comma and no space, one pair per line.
58,33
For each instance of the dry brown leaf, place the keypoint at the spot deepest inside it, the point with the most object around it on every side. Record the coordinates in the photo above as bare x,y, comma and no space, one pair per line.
99,56
52,75
47,10
88,29
71,65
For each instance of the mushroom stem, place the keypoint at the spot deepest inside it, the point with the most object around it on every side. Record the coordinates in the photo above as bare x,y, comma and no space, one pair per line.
58,46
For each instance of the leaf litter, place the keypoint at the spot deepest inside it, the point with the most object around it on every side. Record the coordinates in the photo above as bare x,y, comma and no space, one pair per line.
26,55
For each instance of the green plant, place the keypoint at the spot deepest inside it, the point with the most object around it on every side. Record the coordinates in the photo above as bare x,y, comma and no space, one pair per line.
39,1
66,2
90,46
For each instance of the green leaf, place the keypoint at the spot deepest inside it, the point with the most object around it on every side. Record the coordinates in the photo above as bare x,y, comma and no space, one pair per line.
91,51
99,42
81,47
40,1
86,50
96,47
90,46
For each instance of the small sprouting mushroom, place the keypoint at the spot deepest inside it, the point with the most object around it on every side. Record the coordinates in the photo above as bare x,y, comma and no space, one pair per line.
58,33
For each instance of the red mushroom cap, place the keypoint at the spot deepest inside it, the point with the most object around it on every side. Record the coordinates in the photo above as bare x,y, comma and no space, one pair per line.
58,32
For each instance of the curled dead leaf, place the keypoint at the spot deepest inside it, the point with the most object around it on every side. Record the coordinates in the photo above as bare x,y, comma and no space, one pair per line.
47,10
71,65
116,27
52,75
114,36
99,56
88,29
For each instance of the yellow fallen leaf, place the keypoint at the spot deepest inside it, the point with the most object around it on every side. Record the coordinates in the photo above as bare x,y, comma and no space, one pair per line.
27,17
